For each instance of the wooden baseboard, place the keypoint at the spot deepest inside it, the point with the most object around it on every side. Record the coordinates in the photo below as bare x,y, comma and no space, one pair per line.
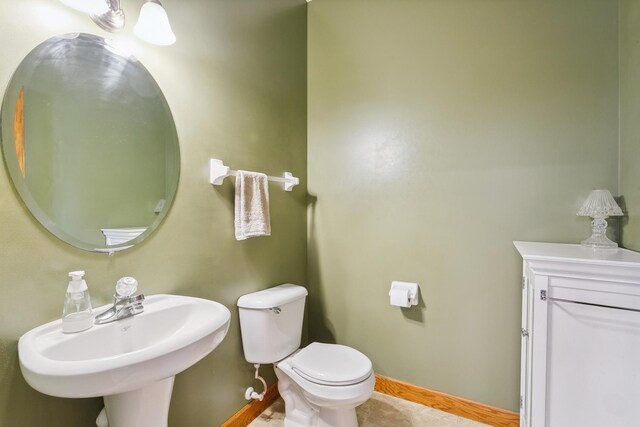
253,409
445,402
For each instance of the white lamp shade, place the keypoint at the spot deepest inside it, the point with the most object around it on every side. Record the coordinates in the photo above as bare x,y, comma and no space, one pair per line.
91,7
599,204
153,25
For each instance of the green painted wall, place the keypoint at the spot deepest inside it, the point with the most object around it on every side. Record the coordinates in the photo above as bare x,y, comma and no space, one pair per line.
438,133
235,81
629,124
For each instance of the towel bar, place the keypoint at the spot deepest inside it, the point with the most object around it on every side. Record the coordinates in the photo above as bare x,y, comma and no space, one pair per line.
218,172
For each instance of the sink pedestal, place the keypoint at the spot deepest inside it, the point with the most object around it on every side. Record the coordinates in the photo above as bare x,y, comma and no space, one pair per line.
144,407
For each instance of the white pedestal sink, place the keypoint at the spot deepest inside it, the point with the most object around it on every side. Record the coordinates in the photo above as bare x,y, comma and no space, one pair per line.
131,362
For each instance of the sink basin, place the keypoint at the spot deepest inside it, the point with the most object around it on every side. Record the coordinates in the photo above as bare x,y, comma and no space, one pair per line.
138,354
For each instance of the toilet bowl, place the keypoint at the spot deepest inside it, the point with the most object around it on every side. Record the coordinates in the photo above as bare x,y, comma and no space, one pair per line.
321,384
332,380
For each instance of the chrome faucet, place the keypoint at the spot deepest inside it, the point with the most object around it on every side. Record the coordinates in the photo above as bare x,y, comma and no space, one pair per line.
125,304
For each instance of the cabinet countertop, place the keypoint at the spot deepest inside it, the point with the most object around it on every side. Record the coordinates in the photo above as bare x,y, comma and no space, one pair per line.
576,253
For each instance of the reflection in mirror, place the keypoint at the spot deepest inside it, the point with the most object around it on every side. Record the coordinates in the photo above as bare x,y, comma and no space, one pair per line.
90,143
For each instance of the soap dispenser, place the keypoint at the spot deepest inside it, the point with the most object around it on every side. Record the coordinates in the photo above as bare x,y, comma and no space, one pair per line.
76,315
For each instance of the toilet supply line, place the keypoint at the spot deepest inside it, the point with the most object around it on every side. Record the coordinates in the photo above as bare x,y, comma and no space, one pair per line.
250,394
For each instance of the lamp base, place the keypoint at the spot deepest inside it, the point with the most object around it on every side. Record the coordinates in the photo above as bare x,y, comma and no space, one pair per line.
599,242
599,239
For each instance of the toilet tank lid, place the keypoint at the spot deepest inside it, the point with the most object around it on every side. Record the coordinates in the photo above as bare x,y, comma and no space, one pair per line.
272,297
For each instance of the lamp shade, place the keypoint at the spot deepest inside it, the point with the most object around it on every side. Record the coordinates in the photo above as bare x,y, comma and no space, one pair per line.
599,204
153,25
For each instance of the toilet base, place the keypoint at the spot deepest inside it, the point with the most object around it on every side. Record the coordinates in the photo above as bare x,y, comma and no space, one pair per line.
323,418
329,417
299,412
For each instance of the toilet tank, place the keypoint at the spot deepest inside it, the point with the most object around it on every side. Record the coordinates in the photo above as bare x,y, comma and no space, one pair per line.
271,322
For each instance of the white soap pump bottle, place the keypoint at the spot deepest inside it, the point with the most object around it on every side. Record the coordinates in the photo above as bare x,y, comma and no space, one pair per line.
77,315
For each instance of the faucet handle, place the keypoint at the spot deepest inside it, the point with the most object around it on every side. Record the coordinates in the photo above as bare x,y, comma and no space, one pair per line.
137,299
126,286
135,304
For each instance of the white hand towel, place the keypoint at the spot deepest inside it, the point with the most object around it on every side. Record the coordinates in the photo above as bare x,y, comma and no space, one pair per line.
252,205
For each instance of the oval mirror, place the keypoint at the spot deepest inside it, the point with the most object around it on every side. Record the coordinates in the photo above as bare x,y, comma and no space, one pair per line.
90,143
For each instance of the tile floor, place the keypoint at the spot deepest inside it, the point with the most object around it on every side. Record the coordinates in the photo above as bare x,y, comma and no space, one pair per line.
380,411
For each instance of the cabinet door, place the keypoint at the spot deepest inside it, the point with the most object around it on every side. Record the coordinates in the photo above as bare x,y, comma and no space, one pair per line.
593,377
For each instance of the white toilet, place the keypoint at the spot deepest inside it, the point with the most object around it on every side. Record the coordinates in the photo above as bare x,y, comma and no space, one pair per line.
321,384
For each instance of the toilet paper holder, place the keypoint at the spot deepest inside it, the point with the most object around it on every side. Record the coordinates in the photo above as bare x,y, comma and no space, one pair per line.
400,290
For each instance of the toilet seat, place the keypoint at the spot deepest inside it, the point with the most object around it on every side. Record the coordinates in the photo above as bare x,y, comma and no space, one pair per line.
331,364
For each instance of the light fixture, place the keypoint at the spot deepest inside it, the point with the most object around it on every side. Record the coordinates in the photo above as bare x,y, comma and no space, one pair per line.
153,24
112,19
599,205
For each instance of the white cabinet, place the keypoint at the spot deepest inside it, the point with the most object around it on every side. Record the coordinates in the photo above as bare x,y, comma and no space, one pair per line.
580,336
